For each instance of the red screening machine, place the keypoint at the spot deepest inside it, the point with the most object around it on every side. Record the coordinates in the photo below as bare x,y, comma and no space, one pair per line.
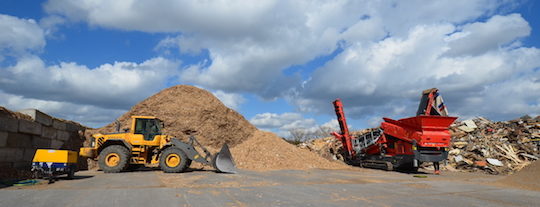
401,144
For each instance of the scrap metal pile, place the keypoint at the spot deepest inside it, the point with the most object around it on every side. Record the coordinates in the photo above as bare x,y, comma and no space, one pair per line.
494,147
477,145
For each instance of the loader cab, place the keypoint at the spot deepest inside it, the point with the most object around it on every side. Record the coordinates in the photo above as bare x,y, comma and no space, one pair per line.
149,127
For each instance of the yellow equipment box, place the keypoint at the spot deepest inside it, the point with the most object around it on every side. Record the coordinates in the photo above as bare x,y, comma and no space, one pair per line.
55,156
49,163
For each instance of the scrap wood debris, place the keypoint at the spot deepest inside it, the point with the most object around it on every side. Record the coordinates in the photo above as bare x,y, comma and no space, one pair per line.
494,147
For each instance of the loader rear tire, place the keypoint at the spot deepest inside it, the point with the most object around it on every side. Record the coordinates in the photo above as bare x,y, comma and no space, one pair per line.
173,160
113,159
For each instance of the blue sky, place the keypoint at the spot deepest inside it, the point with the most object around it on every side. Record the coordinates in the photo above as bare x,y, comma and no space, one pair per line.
278,63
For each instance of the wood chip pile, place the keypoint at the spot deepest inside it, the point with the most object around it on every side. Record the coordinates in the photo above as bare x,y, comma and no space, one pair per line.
267,151
184,108
188,108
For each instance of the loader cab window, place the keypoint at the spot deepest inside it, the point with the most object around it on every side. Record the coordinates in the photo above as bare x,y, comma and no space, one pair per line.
148,128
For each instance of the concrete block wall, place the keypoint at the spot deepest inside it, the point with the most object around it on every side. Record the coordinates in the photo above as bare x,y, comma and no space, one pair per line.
20,137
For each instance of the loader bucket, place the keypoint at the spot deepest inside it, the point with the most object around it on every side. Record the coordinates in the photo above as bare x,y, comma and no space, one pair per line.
223,161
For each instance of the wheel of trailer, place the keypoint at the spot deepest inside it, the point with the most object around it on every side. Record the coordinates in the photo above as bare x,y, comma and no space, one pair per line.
37,174
113,159
71,172
173,160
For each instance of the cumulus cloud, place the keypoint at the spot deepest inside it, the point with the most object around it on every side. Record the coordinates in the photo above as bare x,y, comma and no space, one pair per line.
117,85
388,51
89,115
68,89
231,100
332,124
284,123
19,36
479,37
377,78
251,44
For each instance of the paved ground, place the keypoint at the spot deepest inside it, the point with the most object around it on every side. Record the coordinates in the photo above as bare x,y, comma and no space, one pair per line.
360,187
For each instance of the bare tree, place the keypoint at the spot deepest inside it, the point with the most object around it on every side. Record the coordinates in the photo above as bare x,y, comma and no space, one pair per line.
298,135
324,131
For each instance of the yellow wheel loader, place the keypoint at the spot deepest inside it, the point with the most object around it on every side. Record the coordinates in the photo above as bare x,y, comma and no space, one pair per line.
144,144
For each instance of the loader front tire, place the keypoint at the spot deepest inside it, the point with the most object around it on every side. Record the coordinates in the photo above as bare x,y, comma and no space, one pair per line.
173,160
113,159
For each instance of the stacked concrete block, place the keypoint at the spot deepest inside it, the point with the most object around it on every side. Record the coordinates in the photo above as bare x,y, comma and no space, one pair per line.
29,127
60,125
19,138
62,135
3,139
9,124
38,116
41,142
49,132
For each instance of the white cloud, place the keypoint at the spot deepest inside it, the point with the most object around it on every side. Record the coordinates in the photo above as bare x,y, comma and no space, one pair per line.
117,85
251,44
50,25
332,124
283,123
88,115
381,78
273,120
391,51
69,89
19,36
479,37
231,100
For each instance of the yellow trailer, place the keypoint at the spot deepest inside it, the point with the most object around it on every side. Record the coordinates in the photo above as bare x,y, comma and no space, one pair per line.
48,163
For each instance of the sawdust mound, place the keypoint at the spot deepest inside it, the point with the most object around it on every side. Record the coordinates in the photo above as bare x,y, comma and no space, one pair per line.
185,108
267,151
526,178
